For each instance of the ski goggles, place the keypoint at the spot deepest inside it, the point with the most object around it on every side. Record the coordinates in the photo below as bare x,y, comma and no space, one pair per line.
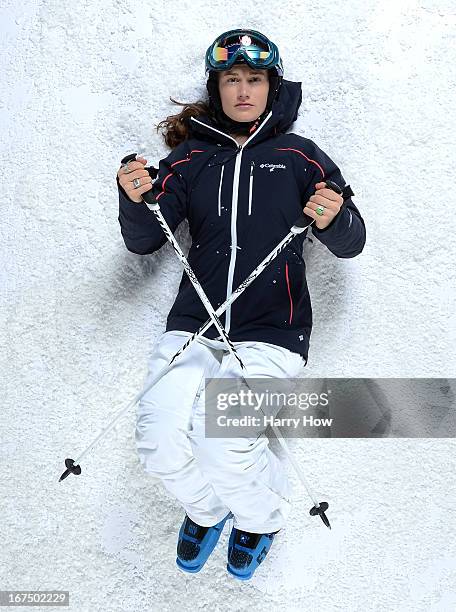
236,46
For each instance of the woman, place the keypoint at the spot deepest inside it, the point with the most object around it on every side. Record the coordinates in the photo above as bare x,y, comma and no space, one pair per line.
241,181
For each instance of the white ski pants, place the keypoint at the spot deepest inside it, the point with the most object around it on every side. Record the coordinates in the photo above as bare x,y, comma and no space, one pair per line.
211,476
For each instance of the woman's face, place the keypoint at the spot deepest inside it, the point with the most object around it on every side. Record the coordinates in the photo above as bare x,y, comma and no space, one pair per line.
243,85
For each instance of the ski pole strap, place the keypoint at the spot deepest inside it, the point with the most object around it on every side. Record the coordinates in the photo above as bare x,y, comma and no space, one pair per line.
347,192
152,171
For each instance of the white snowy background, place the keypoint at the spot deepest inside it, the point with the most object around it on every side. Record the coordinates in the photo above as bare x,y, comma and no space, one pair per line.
85,83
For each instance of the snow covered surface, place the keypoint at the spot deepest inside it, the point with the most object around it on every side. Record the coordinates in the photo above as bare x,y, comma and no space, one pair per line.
82,85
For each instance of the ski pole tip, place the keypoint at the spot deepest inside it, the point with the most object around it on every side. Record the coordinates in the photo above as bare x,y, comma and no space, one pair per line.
320,510
70,469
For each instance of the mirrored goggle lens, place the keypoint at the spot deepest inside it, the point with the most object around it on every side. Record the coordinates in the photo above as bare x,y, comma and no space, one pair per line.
226,50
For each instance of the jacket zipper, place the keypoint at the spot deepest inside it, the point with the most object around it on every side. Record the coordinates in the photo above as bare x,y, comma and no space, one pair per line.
251,186
234,202
218,131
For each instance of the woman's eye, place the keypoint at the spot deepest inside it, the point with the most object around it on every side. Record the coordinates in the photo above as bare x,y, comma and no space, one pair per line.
253,78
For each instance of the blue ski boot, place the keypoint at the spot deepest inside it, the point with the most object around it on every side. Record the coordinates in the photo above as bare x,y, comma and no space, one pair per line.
246,551
196,543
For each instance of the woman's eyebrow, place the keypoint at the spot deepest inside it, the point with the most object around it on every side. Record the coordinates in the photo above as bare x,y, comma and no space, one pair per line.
236,73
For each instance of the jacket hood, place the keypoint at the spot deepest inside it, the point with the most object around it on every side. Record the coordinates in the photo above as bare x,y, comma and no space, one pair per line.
284,113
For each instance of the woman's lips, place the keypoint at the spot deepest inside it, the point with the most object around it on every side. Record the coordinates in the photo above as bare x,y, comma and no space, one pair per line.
244,105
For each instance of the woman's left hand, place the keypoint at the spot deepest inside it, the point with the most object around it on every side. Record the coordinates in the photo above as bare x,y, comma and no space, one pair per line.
331,202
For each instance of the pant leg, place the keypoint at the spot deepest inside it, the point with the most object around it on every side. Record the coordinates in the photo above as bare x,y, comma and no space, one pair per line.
246,475
163,418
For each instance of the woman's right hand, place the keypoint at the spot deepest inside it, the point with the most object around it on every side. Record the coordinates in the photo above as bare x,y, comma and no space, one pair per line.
135,170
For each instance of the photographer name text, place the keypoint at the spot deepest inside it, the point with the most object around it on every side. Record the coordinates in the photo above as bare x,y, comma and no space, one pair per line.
266,420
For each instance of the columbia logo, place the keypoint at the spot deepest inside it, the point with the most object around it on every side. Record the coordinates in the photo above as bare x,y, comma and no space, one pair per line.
272,167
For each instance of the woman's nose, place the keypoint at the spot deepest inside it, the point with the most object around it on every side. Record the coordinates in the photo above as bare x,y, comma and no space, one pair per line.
244,90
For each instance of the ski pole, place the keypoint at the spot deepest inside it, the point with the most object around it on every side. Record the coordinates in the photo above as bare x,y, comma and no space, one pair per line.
154,206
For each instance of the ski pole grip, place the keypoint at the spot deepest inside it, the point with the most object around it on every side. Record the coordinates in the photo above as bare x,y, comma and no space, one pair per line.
334,186
147,196
303,221
346,192
128,158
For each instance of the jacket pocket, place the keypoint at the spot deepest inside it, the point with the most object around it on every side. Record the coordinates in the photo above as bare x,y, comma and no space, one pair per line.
296,285
290,295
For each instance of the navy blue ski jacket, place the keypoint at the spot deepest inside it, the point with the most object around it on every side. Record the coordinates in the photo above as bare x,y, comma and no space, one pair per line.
240,202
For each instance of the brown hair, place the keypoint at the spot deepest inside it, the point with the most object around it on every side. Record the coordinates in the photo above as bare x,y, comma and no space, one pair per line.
175,127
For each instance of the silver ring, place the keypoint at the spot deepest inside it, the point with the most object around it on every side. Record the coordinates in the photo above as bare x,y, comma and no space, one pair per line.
320,210
136,183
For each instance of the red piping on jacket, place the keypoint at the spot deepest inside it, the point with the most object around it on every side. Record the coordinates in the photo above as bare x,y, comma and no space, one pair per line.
179,161
289,292
312,161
